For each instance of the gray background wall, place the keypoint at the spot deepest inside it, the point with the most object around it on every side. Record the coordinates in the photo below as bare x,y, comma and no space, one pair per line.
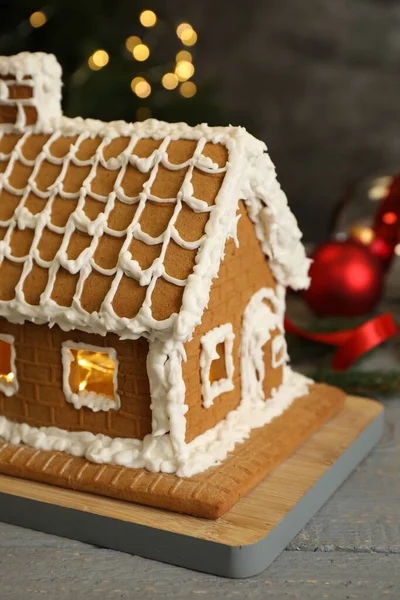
318,80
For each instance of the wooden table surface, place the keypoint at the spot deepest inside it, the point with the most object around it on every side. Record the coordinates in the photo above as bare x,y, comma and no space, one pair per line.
350,549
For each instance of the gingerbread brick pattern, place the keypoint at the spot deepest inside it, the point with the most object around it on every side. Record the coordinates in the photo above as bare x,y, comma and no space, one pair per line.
40,400
243,271
209,494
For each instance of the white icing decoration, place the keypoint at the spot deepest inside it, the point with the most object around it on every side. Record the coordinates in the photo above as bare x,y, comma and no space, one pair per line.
157,453
209,341
152,453
89,399
9,388
259,321
44,76
276,226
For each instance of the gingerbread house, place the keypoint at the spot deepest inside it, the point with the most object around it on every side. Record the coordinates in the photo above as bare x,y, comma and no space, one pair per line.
142,288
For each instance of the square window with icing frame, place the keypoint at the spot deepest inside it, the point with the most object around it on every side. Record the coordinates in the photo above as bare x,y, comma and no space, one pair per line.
216,363
90,376
8,370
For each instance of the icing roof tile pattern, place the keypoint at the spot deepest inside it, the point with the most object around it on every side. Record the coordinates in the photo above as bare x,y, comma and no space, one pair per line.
102,233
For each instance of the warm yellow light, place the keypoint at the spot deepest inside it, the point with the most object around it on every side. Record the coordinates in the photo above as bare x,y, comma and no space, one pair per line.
38,19
184,55
9,377
379,188
183,27
99,361
135,81
184,70
397,250
141,52
132,41
148,18
141,87
96,372
143,113
170,81
82,362
188,89
363,234
100,58
92,65
189,37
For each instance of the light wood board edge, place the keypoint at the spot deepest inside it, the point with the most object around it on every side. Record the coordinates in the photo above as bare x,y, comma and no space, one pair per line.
256,514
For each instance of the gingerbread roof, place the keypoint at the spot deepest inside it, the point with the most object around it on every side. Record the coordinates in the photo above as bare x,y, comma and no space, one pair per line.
122,227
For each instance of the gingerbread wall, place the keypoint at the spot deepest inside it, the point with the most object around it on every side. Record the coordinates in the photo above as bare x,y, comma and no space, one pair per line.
40,399
243,272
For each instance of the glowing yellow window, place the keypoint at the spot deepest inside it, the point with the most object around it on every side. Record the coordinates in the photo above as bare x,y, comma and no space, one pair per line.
8,372
90,376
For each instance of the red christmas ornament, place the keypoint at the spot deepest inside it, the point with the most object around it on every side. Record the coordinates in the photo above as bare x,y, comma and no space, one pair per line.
386,225
346,280
369,213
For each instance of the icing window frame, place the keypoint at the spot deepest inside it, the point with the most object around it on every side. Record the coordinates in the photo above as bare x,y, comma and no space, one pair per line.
219,335
9,385
89,399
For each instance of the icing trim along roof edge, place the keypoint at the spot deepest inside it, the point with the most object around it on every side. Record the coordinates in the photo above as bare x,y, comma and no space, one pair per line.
250,176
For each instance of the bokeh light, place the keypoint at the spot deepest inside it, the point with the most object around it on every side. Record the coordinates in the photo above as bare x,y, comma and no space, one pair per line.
38,19
189,38
363,234
181,28
184,70
148,18
141,52
188,89
132,41
170,81
98,60
389,218
141,87
380,188
184,55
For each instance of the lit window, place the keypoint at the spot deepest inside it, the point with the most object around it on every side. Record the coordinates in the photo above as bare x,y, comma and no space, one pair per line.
8,372
90,376
216,363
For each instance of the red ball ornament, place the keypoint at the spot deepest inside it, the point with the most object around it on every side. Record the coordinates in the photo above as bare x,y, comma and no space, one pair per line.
346,280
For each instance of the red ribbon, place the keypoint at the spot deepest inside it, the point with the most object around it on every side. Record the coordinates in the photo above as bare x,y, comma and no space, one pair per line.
352,343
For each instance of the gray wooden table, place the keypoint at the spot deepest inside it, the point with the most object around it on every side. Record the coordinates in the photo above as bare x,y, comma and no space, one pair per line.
350,549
